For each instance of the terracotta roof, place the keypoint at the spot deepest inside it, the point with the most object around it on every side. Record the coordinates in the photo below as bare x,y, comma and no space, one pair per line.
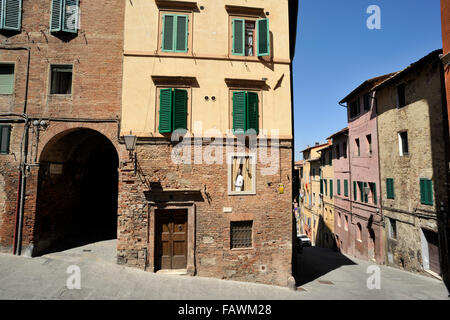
338,133
314,147
435,54
371,83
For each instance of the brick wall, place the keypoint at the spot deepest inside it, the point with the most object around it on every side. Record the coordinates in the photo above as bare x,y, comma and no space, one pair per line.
269,261
96,55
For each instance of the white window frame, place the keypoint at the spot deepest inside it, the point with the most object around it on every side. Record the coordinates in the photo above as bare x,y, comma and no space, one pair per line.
400,143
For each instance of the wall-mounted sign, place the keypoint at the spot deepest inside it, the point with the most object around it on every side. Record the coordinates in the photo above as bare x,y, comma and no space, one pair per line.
281,188
56,168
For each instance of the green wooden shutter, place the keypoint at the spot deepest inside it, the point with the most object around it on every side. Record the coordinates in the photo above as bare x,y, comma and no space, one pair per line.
56,15
165,111
355,195
1,13
252,111
70,16
346,191
331,188
263,37
180,98
5,132
6,78
426,191
390,188
181,37
338,182
375,200
11,14
239,112
238,40
168,38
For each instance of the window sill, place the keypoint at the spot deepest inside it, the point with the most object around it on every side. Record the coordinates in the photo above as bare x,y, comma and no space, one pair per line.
242,193
242,249
7,94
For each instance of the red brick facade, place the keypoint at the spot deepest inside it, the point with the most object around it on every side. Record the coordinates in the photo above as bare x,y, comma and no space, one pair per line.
95,52
269,258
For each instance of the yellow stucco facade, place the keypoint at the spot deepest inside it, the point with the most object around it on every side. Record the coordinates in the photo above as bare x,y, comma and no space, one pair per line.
207,69
326,210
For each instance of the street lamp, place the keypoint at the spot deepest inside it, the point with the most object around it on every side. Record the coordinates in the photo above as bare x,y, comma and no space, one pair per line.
130,145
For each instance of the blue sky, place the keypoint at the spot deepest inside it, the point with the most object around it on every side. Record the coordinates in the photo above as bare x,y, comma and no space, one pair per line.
336,52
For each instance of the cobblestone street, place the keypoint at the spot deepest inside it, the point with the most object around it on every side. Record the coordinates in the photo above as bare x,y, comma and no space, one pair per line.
324,274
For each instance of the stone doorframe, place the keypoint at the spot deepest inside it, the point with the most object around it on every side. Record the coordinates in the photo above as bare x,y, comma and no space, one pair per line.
191,221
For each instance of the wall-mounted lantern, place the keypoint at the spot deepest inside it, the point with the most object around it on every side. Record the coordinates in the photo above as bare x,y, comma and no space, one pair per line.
130,145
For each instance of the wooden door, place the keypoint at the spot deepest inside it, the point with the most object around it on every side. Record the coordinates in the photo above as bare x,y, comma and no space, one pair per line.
171,239
433,250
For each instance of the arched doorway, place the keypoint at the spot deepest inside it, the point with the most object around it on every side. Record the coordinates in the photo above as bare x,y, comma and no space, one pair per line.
77,191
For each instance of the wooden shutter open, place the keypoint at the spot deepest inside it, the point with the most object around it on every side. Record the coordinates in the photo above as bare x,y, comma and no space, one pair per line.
331,188
11,14
70,16
56,15
252,111
239,112
238,40
165,111
263,37
180,98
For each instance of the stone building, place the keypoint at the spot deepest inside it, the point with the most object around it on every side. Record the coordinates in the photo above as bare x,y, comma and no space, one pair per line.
342,198
445,19
216,75
312,188
412,132
60,97
365,224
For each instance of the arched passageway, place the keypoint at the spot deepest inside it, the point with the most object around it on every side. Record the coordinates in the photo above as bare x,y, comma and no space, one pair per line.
77,191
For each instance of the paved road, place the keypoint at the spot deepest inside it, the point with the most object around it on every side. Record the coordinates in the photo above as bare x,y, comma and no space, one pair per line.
45,278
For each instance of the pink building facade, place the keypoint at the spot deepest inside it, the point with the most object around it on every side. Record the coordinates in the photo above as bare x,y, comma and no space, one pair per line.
342,198
364,234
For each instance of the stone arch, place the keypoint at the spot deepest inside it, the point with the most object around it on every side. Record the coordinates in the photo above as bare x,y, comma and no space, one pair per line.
77,191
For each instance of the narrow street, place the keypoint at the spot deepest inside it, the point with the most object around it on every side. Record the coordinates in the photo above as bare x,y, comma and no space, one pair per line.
324,274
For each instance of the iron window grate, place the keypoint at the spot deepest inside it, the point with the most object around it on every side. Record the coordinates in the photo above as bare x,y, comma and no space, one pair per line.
241,234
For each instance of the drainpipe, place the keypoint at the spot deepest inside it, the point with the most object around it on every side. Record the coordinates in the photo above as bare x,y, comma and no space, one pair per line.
23,156
382,222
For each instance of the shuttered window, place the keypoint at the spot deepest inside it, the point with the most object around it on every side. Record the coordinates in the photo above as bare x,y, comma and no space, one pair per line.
245,112
6,78
321,186
263,37
241,234
390,188
175,33
355,194
346,188
373,190
338,182
238,26
426,192
11,15
331,188
5,133
172,110
64,16
248,33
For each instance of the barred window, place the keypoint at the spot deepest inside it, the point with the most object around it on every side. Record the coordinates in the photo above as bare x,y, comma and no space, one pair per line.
241,234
